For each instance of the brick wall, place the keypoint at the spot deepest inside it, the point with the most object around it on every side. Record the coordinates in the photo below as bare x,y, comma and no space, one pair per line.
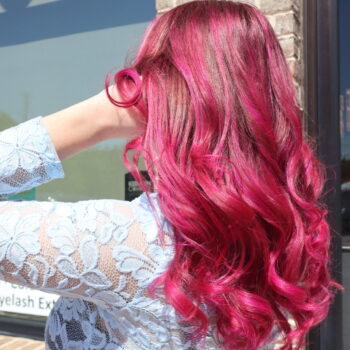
286,19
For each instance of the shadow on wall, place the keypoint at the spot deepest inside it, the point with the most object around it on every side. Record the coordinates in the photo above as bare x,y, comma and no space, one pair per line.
21,22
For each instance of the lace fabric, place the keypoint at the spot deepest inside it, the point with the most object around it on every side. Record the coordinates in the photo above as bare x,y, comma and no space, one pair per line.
99,255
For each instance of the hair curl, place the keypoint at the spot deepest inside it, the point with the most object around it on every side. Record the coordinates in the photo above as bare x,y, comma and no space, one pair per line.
236,177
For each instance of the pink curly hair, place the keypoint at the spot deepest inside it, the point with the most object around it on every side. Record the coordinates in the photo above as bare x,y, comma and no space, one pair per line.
235,175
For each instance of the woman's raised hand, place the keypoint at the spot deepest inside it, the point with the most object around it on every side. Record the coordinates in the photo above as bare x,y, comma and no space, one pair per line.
120,122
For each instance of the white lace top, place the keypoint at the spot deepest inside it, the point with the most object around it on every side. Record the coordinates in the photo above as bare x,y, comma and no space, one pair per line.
99,255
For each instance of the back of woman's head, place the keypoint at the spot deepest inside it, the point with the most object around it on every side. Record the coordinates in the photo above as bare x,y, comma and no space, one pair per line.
224,144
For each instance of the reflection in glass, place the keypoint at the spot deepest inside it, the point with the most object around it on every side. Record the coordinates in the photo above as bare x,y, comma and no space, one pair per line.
344,115
57,53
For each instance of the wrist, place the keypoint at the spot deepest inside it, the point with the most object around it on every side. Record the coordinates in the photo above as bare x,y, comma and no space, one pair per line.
116,122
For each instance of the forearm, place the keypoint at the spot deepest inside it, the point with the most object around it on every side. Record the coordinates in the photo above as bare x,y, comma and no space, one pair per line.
84,124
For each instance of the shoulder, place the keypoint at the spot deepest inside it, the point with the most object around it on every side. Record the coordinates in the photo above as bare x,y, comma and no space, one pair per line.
155,227
138,224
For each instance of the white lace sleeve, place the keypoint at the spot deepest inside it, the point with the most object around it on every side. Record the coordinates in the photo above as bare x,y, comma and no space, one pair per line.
104,251
27,157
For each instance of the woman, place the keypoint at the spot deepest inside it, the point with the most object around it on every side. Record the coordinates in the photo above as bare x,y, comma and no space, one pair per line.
231,250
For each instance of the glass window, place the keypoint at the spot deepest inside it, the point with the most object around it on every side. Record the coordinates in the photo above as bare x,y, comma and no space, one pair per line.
345,116
344,45
55,53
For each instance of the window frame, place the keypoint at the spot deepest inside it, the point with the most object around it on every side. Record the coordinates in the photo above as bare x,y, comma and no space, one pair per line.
322,122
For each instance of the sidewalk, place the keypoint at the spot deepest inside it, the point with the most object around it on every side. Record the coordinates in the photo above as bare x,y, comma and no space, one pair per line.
14,343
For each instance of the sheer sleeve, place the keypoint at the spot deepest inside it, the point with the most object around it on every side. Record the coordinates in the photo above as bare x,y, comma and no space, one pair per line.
104,251
27,157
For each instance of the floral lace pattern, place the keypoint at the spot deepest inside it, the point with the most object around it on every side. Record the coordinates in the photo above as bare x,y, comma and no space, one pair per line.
27,158
99,255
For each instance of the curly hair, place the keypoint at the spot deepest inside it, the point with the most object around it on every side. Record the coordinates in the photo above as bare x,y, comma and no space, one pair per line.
236,177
